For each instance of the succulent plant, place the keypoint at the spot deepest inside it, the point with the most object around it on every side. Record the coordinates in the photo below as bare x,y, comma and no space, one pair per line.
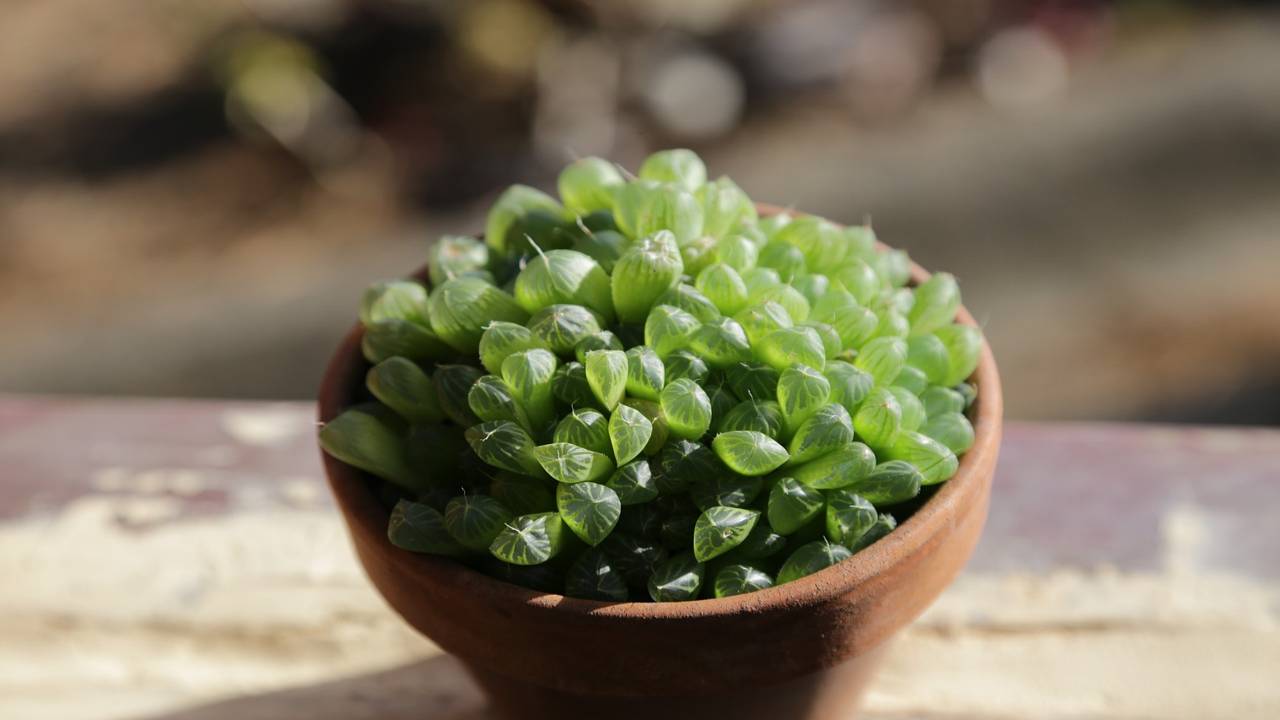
651,392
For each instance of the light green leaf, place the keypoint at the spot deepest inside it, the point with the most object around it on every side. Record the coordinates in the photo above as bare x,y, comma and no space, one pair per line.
530,539
365,441
951,429
791,299
585,428
837,469
721,343
747,452
759,321
505,445
792,346
753,381
964,349
528,373
561,327
890,482
633,483
456,255
762,416
801,391
461,308
418,527
603,340
645,373
589,509
792,504
935,461
723,286
687,409
647,269
930,355
677,579
652,411
827,429
883,526
593,577
402,386
569,463
911,379
668,328
912,409
587,184
879,418
939,400
937,300
687,365
607,376
678,166
689,299
491,400
475,520
501,339
394,300
738,253
883,358
629,433
809,559
739,579
720,529
502,231
849,515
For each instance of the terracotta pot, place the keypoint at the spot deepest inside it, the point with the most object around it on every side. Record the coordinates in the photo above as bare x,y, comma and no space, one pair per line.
801,650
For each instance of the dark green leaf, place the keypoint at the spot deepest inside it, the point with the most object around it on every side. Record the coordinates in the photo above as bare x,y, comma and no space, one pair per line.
563,326
363,440
504,445
883,526
589,509
683,462
475,520
585,428
792,504
849,515
529,539
522,494
683,364
890,482
500,339
453,384
725,489
645,373
849,385
687,409
593,577
679,578
934,460
951,429
837,469
401,385
634,557
826,430
569,385
528,373
603,340
809,559
491,400
418,527
720,529
402,338
739,579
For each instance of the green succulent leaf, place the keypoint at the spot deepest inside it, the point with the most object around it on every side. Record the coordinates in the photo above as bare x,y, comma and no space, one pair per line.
402,386
585,428
529,373
952,429
784,258
491,400
791,300
837,469
504,445
679,578
935,461
762,416
912,409
725,489
586,185
760,321
912,379
801,392
738,579
893,481
652,411
687,409
501,339
629,433
461,308
720,529
878,419
453,387
603,246
634,483
894,266
607,376
849,515
930,355
809,559
937,300
418,527
683,463
689,299
363,440
860,279
561,327
724,207
456,255
564,277
570,387
883,526
792,346
668,329
723,286
738,252
634,557
683,364
748,452
530,539
939,400
503,226
645,271
964,348
828,429
721,343
402,338
752,381
762,542
475,520
883,358
645,373
522,494
569,463
679,167
589,509
792,504
603,340
593,576
394,300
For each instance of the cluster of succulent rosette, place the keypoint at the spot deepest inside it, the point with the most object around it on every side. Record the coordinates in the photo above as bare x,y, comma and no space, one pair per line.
645,390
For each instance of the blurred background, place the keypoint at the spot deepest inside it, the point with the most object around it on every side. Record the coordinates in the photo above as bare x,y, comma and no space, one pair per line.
193,195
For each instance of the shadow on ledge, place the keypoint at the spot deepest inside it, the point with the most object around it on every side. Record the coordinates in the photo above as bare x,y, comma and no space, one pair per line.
434,689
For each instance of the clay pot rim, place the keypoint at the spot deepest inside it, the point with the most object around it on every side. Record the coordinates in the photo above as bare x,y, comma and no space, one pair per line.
369,517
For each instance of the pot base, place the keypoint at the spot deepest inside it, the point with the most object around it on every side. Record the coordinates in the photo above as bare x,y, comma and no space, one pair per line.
833,694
